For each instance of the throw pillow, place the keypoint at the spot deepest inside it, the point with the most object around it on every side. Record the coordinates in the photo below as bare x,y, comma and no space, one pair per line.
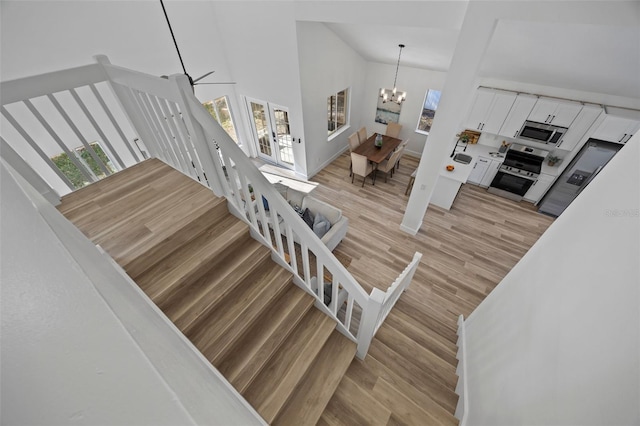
308,218
321,225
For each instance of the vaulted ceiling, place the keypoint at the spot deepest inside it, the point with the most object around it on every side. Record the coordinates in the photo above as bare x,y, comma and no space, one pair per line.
593,57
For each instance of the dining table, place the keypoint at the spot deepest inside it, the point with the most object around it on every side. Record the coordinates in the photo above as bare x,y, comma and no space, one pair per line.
376,154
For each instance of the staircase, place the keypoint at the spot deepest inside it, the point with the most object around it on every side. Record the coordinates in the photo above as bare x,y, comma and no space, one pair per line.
200,266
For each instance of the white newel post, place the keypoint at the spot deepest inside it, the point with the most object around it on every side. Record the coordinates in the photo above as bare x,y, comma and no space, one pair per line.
368,324
127,104
205,149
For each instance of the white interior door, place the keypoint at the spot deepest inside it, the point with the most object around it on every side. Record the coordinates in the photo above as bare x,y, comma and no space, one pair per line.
272,132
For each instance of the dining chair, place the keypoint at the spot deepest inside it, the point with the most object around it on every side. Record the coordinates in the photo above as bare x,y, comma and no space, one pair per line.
388,166
361,167
393,129
362,134
402,147
353,144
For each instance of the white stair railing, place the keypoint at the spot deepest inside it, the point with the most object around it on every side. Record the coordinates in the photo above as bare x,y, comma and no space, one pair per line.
59,111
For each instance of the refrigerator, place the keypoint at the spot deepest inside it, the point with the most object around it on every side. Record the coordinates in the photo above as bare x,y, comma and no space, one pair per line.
592,158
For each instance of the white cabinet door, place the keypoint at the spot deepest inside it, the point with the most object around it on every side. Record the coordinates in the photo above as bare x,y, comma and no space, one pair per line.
555,111
478,171
538,189
517,115
585,119
502,103
489,110
479,110
492,170
616,129
565,113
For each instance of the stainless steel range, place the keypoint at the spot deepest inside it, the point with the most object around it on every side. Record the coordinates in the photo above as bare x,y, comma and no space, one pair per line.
519,170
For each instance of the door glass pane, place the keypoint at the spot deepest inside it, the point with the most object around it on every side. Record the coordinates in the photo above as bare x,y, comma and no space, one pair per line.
262,129
283,134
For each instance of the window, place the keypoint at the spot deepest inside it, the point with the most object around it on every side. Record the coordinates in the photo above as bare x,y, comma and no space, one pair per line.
73,173
431,100
337,111
219,109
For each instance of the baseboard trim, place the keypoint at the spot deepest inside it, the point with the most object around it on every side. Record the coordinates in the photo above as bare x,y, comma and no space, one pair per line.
462,408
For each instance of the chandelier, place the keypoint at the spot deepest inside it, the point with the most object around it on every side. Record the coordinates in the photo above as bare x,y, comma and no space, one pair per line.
393,95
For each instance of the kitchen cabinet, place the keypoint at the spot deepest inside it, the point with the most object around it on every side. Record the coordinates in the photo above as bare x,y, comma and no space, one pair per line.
484,171
489,110
517,115
616,129
539,188
585,119
479,169
555,111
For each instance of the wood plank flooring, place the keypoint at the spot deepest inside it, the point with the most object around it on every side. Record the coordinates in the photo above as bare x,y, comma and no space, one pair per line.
409,377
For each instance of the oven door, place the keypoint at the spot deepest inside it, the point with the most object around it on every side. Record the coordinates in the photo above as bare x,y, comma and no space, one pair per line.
510,185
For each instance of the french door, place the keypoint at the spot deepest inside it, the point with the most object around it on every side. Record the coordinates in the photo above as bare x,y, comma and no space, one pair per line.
272,132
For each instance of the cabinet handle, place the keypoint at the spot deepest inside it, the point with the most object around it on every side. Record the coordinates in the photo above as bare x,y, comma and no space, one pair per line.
479,124
622,138
553,117
547,120
482,126
559,143
515,135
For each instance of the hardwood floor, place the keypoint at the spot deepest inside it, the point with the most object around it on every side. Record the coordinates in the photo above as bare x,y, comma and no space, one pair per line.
409,377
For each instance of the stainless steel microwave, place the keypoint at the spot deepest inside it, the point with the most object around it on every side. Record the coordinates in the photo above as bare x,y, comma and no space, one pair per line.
541,132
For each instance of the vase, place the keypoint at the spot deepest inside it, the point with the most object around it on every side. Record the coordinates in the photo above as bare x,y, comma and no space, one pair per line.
378,140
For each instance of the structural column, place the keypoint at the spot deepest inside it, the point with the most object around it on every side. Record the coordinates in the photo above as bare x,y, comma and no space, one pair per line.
457,94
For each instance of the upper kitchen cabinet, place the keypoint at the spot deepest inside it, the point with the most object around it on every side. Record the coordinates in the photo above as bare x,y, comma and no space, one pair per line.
585,119
618,128
517,115
555,111
489,110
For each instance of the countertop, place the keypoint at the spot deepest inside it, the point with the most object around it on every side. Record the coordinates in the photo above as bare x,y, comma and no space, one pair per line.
462,171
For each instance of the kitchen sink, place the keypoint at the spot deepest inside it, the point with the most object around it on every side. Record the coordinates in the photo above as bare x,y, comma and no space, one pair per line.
462,158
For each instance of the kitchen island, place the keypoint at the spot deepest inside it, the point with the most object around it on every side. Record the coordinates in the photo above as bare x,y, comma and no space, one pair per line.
449,182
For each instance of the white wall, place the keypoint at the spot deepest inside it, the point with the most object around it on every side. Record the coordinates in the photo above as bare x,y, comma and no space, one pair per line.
327,66
558,340
259,40
415,82
43,36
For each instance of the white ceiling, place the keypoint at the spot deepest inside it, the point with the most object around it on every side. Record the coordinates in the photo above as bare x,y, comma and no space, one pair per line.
586,57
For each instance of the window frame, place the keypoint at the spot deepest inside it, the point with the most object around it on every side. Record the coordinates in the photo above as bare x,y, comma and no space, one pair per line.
347,116
424,108
214,105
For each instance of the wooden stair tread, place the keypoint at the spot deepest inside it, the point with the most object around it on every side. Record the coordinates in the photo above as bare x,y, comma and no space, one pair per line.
253,350
151,256
190,259
316,389
136,205
240,310
122,181
191,304
272,388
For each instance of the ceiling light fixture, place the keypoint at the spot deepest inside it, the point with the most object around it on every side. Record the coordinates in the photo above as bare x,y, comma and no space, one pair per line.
392,95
